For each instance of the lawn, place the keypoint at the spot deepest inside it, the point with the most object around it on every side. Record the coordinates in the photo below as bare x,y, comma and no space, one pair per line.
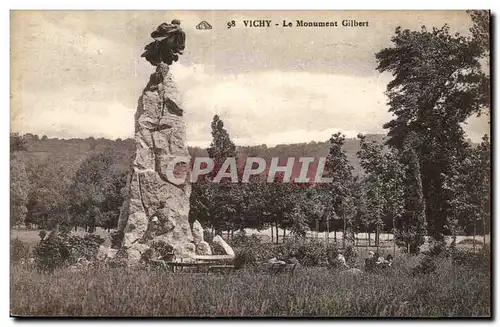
451,291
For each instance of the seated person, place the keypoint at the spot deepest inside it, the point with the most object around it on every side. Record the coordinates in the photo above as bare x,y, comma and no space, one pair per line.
389,258
370,261
340,261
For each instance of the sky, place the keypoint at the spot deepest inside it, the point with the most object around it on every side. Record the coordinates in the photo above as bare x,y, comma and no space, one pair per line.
77,74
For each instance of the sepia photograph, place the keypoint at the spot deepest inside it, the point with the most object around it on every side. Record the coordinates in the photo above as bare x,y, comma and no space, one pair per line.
250,163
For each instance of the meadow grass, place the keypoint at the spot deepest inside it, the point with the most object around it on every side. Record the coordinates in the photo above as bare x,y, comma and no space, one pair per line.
451,291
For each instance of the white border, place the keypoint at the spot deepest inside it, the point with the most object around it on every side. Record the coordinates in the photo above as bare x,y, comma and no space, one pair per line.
162,5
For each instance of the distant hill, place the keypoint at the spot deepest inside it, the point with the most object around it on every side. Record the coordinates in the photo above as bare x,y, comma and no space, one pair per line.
70,153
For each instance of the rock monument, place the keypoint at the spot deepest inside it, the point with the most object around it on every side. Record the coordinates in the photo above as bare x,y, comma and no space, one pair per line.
156,207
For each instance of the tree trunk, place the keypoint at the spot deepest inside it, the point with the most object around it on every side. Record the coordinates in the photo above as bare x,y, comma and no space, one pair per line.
484,231
284,233
277,233
343,232
369,237
327,231
317,229
367,244
394,236
272,233
335,235
377,238
474,238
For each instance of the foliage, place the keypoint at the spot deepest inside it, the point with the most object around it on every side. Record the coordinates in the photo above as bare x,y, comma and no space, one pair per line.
438,83
412,224
250,250
17,143
468,184
19,185
162,250
382,188
221,147
307,252
61,249
95,196
19,250
477,260
339,169
119,260
427,265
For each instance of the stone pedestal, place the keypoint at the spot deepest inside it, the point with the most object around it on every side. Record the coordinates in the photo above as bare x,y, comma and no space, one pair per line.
157,207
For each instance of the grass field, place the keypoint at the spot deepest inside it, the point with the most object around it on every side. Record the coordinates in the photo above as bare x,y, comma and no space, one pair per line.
310,292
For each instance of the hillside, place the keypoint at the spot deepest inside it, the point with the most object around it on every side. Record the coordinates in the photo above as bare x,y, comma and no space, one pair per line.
70,153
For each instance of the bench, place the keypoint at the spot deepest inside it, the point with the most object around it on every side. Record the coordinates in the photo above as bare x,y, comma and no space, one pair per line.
187,266
223,269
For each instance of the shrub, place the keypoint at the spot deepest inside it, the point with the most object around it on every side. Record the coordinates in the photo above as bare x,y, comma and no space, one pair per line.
62,249
18,250
427,265
308,252
250,250
478,260
51,253
119,260
162,250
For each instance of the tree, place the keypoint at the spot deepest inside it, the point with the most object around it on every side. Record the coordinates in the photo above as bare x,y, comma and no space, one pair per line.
47,203
19,187
468,183
17,143
481,29
437,85
338,168
89,190
413,231
482,183
217,204
372,161
19,183
394,188
221,147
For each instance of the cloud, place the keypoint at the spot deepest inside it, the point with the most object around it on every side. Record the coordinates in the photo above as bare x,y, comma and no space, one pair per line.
79,74
281,107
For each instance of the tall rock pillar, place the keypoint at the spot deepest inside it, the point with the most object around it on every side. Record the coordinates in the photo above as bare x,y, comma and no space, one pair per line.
157,206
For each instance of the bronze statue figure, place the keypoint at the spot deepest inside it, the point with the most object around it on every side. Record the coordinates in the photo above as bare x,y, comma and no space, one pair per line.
169,42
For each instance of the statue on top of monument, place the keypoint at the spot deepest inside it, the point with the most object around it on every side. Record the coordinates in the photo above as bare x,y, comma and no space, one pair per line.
169,42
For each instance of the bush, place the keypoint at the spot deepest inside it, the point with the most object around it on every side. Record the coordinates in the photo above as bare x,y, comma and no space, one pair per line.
119,260
62,249
250,250
163,250
18,250
427,265
308,252
478,260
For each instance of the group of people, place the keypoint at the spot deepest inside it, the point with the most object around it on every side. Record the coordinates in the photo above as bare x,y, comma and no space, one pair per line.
373,262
